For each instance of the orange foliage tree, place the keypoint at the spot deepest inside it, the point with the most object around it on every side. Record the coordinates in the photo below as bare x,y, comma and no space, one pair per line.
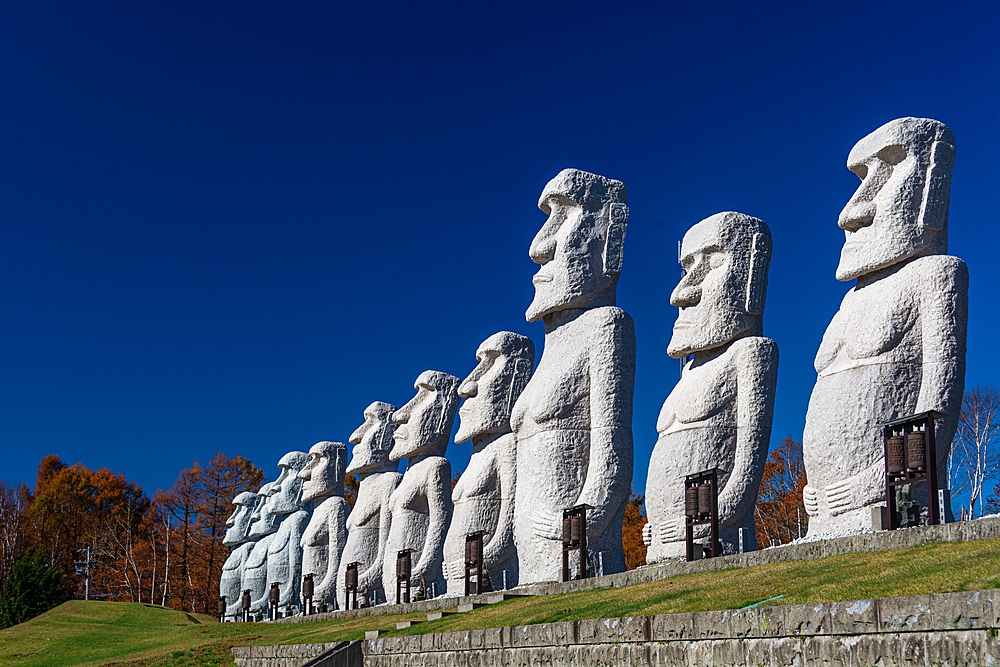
166,551
635,519
779,514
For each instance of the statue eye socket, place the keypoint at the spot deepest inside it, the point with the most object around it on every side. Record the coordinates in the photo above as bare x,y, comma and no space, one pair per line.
716,260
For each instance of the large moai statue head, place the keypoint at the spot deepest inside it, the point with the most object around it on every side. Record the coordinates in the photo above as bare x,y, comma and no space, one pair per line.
324,474
900,210
580,246
262,520
373,440
240,520
288,496
505,363
721,296
424,423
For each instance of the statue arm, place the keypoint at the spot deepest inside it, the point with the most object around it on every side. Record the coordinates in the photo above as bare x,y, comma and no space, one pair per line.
372,576
336,527
290,589
756,362
439,507
612,382
944,307
501,544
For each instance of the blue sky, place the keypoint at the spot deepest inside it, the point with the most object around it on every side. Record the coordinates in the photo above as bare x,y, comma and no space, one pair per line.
232,226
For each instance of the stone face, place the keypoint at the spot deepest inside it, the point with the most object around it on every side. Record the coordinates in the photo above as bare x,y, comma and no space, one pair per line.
573,422
238,536
284,552
896,347
325,535
484,496
368,523
719,413
420,507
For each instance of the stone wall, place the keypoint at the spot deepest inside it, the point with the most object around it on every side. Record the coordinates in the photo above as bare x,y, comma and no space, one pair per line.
946,629
962,531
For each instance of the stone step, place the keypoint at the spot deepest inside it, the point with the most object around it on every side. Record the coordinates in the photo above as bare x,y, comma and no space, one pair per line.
405,624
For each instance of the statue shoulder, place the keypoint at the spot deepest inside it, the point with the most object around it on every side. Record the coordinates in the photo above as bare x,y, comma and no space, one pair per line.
756,348
611,317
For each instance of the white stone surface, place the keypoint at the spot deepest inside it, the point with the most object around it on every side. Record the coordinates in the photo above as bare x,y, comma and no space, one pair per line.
897,345
326,534
719,413
484,495
421,505
368,524
573,422
238,538
263,526
284,551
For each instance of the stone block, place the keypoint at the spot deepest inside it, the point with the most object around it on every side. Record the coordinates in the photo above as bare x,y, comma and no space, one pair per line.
808,619
906,614
673,627
467,607
770,622
400,625
371,634
853,617
964,611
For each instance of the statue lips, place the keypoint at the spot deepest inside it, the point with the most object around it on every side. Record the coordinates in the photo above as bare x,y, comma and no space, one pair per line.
541,278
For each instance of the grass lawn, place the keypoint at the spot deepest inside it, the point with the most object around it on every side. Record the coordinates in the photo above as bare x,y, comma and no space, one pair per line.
120,633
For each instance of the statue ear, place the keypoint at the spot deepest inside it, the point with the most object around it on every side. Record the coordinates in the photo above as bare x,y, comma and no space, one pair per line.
520,375
760,261
614,246
937,188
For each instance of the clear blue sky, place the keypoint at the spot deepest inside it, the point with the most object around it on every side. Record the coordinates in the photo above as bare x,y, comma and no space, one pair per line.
232,226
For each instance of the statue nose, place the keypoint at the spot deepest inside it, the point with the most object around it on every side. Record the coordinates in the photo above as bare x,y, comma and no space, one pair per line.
857,214
468,389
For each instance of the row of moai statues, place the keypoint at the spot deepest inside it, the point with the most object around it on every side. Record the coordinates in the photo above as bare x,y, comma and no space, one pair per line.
561,436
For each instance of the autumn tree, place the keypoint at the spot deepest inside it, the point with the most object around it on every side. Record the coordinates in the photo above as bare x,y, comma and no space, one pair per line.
779,515
351,486
635,519
221,481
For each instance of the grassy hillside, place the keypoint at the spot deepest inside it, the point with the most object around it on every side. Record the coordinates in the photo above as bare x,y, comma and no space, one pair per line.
105,633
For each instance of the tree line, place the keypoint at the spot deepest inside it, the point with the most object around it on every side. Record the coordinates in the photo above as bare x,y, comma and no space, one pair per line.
165,550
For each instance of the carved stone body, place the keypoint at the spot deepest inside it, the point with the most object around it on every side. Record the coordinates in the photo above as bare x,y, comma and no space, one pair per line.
718,416
368,523
262,529
483,500
284,551
896,347
719,413
485,493
421,506
324,538
573,422
238,537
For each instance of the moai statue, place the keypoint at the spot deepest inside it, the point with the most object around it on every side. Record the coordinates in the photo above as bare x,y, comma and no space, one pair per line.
326,534
573,421
421,504
284,552
719,413
238,538
263,527
896,347
368,524
484,495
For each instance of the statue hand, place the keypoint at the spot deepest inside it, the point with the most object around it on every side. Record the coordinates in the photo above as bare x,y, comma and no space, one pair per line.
841,496
548,525
810,498
671,531
647,534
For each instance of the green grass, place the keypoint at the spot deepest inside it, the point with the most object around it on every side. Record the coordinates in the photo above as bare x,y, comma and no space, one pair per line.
104,633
